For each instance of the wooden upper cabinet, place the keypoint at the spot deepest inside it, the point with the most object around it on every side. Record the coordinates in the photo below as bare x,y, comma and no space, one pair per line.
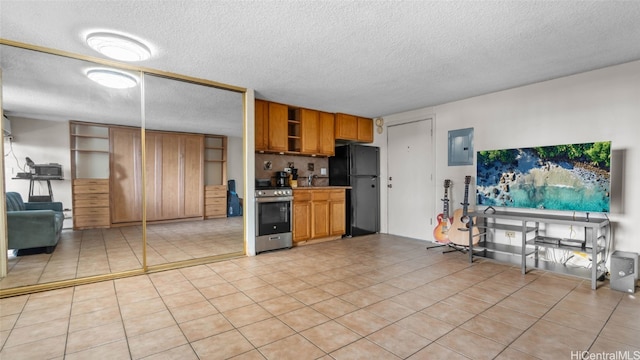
327,145
283,128
278,131
262,125
365,130
346,127
310,131
354,128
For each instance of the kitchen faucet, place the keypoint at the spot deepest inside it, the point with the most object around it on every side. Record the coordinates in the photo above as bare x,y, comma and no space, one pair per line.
310,179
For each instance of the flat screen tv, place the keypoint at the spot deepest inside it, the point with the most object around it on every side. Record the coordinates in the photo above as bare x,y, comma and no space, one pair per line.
571,177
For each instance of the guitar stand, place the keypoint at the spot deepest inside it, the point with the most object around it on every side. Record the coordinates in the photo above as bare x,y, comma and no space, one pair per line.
453,248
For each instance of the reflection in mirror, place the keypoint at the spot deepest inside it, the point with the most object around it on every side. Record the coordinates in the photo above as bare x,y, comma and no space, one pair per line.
194,173
59,116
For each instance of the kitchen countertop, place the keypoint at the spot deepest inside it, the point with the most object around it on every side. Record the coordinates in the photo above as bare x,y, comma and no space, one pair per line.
321,187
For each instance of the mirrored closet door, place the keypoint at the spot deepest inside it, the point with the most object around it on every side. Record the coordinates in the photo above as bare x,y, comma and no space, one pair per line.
165,170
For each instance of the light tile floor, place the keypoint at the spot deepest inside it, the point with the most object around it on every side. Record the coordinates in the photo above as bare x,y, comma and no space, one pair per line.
371,297
83,253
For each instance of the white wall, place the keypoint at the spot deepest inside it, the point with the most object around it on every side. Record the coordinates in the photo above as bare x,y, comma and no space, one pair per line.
594,106
234,163
44,142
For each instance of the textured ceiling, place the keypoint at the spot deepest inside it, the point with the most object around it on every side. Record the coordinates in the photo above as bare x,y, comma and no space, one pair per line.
369,58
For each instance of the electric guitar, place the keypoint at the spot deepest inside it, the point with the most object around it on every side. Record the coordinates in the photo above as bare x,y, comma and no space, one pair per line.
459,232
440,233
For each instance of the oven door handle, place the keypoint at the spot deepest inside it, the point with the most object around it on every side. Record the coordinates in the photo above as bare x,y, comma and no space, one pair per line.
274,199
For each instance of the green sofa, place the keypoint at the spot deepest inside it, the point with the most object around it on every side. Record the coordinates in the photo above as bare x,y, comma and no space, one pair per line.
33,225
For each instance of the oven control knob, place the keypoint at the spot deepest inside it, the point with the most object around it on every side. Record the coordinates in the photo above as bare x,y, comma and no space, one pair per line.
260,193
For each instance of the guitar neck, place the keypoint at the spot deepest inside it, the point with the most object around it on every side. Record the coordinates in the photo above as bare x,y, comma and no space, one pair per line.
465,204
445,208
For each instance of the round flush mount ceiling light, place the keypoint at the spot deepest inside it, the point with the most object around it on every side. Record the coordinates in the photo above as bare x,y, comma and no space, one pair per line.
118,46
112,78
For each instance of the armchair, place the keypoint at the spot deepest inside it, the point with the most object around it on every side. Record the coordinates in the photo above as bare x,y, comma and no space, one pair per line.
33,225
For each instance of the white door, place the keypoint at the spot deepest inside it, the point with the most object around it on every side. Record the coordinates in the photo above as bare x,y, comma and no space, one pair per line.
410,167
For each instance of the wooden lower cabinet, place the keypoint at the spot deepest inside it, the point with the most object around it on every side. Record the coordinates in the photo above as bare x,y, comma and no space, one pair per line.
215,201
91,203
320,217
318,214
337,203
301,216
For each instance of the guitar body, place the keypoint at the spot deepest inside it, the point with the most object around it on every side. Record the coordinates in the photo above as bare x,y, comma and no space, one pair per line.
441,231
461,237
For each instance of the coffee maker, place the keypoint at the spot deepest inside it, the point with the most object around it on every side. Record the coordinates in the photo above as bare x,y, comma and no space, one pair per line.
282,179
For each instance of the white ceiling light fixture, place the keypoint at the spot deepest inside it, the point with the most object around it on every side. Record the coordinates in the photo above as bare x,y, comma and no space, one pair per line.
118,46
114,79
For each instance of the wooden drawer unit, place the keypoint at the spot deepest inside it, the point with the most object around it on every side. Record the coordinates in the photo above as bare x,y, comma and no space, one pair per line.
215,201
91,211
337,195
319,195
90,200
91,203
91,189
87,222
88,182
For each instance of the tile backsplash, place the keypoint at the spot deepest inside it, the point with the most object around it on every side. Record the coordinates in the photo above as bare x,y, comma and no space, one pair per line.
268,164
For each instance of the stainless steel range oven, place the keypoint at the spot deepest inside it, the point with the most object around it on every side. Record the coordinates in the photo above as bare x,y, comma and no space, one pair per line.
273,218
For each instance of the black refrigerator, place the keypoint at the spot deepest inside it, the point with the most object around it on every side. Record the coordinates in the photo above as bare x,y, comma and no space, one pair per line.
358,166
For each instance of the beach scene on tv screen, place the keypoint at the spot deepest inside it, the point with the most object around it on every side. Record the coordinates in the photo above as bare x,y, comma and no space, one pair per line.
571,177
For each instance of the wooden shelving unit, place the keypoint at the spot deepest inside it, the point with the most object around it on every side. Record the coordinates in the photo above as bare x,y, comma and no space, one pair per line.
215,173
89,144
294,133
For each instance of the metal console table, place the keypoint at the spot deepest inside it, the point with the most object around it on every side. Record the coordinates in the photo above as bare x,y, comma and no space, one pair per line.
593,244
39,198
